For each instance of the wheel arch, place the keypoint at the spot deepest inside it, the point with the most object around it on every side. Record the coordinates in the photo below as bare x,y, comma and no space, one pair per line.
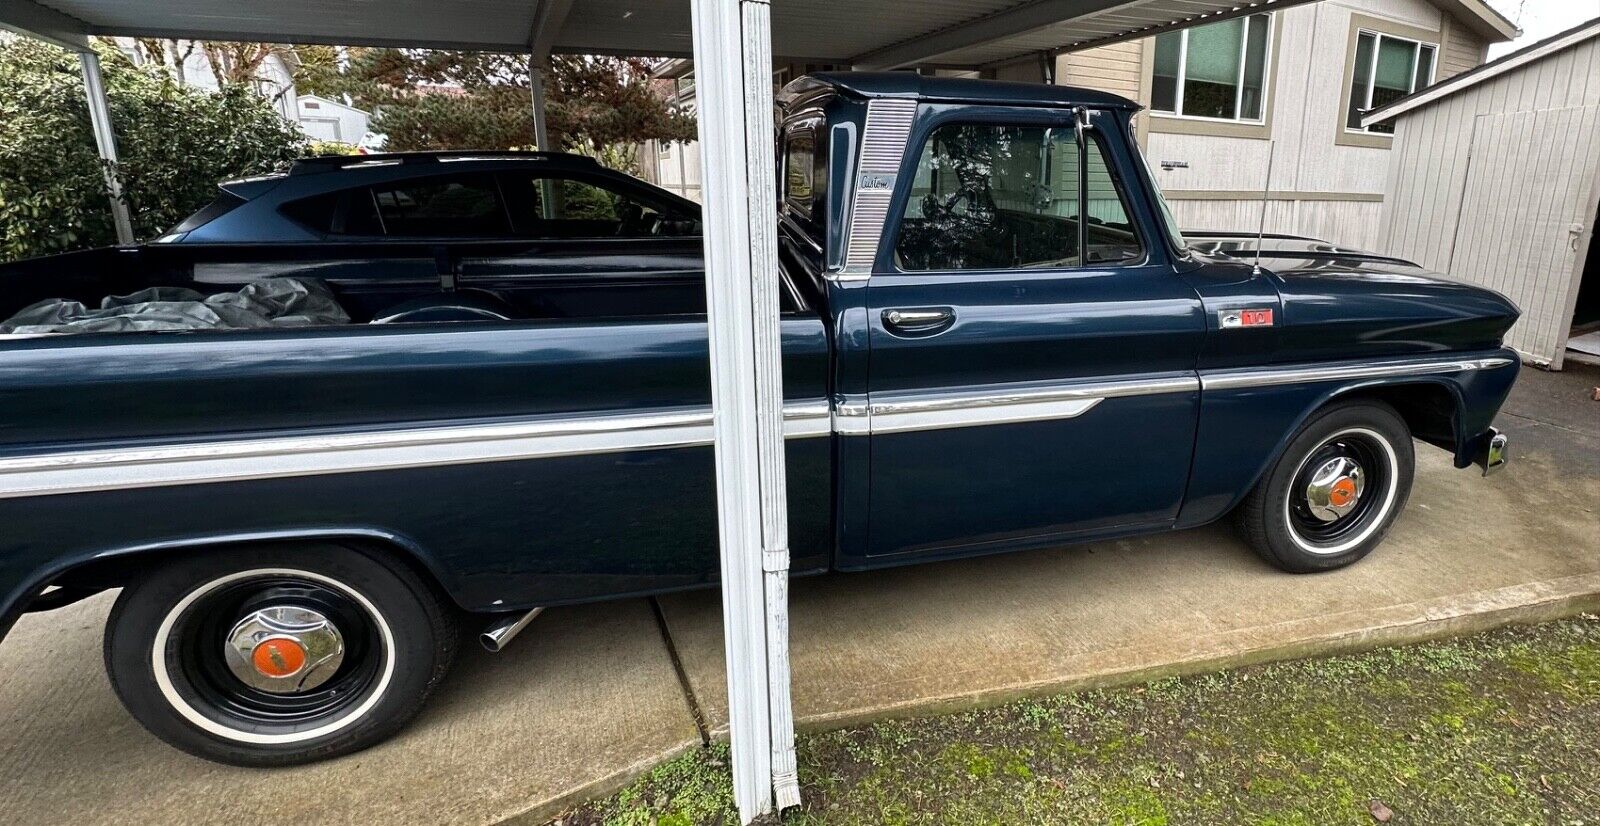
113,567
1433,403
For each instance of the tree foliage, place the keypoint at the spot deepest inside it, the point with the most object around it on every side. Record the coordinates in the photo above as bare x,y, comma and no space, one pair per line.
428,99
174,143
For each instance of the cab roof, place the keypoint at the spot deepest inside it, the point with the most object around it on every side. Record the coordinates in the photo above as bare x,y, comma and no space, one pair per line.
953,90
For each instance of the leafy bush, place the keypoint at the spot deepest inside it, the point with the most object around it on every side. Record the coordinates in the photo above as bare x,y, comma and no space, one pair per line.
174,144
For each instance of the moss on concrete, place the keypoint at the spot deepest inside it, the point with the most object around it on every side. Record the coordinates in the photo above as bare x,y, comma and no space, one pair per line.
1502,727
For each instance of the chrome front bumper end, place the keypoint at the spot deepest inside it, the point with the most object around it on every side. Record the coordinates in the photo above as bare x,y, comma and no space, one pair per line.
1492,455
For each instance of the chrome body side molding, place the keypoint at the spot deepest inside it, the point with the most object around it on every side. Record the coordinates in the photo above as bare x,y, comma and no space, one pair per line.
353,452
238,460
899,413
1306,374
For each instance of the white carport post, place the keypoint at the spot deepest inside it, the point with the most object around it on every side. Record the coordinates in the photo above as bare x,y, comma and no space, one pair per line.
541,133
733,67
106,141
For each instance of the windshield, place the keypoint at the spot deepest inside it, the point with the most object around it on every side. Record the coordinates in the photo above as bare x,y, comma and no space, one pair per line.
1167,219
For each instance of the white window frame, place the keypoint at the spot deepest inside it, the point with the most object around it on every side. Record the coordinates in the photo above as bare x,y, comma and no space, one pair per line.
1238,96
1372,72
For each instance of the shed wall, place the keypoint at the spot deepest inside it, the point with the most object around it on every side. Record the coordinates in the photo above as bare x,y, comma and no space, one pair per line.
1428,208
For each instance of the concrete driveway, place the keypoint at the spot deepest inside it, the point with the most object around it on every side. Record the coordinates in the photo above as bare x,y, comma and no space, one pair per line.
590,696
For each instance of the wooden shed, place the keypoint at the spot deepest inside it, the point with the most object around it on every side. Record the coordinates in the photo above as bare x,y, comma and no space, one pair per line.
1495,178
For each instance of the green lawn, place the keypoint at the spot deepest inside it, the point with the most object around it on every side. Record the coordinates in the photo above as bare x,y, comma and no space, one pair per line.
1498,728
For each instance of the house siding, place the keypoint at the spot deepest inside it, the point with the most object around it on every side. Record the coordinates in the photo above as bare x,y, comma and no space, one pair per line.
1115,68
1335,190
1462,49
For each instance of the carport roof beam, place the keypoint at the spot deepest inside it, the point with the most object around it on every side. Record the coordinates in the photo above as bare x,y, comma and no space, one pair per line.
25,17
882,32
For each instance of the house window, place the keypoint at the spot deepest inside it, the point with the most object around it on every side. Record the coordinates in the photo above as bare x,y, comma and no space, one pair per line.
1217,71
1387,68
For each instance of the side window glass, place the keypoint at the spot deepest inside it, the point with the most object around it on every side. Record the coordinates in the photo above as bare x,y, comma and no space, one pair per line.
1006,197
550,207
350,212
799,171
458,207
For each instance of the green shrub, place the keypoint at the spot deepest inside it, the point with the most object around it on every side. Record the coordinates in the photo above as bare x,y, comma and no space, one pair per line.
174,143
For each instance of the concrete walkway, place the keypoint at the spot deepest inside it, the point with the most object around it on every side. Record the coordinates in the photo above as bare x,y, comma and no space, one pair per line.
589,696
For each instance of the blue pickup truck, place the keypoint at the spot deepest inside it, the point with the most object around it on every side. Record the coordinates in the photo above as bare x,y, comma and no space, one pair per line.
455,389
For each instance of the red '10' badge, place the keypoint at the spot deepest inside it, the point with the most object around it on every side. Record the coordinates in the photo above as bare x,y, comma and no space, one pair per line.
1232,319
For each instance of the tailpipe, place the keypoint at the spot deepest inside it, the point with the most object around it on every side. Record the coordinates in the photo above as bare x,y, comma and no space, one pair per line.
502,631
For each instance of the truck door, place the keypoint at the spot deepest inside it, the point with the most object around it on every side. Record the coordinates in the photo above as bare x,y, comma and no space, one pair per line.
1019,392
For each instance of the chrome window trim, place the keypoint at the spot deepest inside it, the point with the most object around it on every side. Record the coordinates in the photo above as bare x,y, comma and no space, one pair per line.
883,146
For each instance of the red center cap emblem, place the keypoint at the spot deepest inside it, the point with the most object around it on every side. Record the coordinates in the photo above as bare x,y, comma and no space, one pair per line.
278,658
1343,491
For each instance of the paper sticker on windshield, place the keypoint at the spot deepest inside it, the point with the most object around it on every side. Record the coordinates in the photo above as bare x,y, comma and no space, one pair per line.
1232,319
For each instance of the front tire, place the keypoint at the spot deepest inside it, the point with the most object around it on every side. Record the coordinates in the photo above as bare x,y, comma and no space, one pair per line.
1333,494
278,655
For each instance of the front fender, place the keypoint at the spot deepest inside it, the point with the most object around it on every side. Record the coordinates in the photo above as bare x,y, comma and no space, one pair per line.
1243,431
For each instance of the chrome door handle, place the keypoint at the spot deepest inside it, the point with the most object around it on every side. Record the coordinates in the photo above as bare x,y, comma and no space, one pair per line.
917,319
921,322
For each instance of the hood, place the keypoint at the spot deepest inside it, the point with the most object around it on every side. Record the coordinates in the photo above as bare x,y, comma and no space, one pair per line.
1340,302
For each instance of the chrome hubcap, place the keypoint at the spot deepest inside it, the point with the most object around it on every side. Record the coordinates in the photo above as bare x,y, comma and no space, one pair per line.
283,649
1335,489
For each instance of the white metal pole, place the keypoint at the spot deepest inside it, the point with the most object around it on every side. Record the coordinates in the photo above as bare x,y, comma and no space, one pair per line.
541,134
761,173
106,141
733,68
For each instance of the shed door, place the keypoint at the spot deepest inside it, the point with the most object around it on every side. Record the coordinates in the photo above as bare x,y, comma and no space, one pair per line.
1530,193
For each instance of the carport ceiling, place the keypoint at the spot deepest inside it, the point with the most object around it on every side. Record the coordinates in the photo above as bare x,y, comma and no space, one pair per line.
867,33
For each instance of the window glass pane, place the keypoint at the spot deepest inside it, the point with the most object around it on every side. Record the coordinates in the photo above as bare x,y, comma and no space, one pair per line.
1396,69
1006,197
1359,80
1174,234
1424,69
463,207
1211,72
1164,91
550,207
1255,67
799,169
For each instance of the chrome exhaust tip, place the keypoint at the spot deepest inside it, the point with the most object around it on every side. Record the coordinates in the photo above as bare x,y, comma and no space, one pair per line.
502,631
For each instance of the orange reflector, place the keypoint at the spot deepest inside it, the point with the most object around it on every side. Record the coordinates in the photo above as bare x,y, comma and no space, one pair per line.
1343,491
278,658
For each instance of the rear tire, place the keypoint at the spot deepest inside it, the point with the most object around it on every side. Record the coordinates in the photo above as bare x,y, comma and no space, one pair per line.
278,655
1332,495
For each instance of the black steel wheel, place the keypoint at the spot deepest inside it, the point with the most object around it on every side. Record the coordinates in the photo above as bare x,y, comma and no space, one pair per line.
1331,496
273,656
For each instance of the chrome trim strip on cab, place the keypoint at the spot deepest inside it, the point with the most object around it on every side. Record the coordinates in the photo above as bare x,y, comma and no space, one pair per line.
1271,376
283,456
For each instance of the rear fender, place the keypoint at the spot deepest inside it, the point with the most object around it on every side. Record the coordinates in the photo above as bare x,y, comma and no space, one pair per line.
115,566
